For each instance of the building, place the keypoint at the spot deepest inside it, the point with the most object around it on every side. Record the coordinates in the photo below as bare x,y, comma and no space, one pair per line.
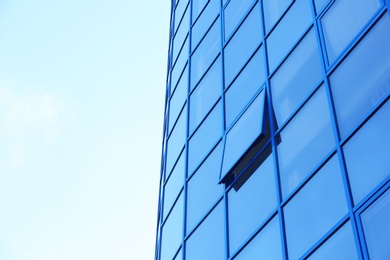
277,131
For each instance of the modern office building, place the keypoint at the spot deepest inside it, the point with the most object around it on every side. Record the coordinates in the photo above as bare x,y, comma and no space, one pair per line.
277,131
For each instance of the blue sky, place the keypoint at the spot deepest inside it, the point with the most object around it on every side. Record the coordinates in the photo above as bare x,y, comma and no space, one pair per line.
81,110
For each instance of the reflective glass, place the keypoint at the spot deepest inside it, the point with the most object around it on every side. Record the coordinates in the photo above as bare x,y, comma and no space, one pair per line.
179,255
206,178
177,140
367,154
172,231
179,10
266,245
376,226
296,78
206,52
208,242
245,87
250,204
206,94
205,137
178,98
233,14
180,64
204,22
367,71
306,140
197,7
242,45
288,32
273,10
320,5
339,246
181,34
318,206
242,135
343,21
174,184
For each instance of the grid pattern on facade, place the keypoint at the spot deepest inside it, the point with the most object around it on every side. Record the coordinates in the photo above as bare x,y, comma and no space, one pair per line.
317,74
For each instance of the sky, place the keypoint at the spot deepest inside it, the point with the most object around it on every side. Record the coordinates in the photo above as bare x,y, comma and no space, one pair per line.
82,85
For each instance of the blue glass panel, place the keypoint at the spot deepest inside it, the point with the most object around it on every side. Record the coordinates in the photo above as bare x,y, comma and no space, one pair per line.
318,206
244,88
206,52
203,189
205,137
339,246
242,135
266,244
367,71
320,5
179,10
180,64
343,21
177,140
174,184
242,45
206,94
296,78
181,34
208,242
179,255
172,231
288,32
234,12
197,7
178,98
376,227
306,140
251,204
201,26
367,154
273,10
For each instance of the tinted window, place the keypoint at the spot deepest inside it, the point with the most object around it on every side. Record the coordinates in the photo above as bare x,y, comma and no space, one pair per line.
320,5
181,34
315,209
180,64
179,10
367,71
273,10
296,78
244,42
367,154
343,21
178,98
234,13
197,7
305,141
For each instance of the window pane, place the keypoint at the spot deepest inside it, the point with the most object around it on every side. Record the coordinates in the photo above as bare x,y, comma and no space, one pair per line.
181,34
180,64
250,204
242,45
288,32
206,178
208,242
242,135
343,21
315,209
205,137
273,10
245,87
376,227
296,78
197,7
179,255
320,5
204,22
178,98
306,140
367,154
177,140
174,184
366,71
206,52
172,231
265,245
180,7
339,246
206,94
234,13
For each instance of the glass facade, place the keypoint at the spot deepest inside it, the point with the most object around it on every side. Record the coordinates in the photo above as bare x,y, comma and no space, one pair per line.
276,137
